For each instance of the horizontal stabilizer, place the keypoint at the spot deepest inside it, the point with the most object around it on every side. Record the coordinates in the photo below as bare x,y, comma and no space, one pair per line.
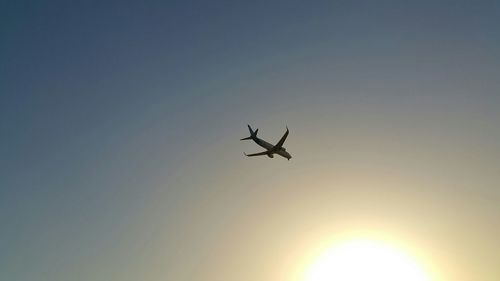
252,133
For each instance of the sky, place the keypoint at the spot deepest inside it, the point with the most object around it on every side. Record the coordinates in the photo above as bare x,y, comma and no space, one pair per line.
120,124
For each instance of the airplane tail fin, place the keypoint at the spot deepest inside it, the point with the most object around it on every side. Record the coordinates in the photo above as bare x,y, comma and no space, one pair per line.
253,134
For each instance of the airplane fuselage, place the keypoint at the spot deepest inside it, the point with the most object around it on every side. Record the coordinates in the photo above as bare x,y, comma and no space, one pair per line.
269,147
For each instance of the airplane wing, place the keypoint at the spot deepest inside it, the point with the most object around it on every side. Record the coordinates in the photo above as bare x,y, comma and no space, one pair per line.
282,140
257,154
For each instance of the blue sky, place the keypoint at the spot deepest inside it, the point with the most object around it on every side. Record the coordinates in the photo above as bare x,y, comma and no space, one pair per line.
120,123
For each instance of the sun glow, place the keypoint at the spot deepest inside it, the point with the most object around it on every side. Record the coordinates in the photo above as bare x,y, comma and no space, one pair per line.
361,260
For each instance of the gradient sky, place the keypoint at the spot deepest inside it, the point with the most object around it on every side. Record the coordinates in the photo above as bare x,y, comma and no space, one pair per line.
120,124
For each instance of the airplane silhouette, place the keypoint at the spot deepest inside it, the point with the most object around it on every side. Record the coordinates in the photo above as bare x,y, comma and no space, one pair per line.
270,149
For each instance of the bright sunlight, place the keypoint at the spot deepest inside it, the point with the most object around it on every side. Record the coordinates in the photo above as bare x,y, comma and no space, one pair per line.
361,260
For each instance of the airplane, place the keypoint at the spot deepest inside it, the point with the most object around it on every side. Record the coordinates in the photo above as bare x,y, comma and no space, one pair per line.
270,149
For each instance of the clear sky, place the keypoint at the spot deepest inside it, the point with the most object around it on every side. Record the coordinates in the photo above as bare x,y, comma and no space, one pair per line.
120,121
